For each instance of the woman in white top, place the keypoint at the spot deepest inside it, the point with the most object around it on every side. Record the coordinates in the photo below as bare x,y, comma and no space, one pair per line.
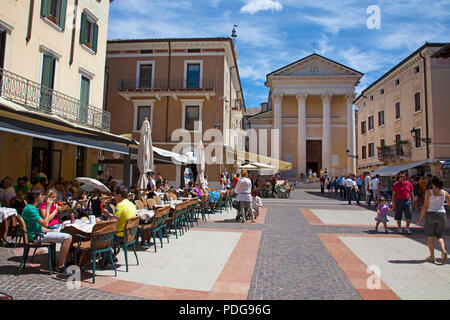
435,217
243,190
256,203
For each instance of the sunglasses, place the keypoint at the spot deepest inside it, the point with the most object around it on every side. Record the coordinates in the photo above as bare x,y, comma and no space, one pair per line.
402,176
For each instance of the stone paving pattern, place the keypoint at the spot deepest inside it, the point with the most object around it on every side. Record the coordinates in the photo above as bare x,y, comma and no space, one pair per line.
292,262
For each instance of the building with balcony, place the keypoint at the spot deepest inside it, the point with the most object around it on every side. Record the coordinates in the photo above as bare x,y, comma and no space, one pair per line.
183,86
52,70
403,116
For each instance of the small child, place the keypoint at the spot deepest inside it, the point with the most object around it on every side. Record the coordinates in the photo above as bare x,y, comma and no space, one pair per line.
382,210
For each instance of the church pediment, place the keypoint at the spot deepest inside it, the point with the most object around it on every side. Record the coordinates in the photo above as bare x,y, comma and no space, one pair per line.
314,66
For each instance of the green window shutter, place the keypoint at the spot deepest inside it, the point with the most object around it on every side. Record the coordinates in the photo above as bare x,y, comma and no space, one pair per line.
83,28
48,67
45,8
62,14
95,38
84,99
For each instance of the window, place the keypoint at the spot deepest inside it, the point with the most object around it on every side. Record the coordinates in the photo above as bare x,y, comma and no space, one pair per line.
371,98
47,81
417,104
142,113
370,123
54,11
397,82
191,116
364,103
145,75
382,142
381,118
416,69
364,152
397,111
418,142
84,99
2,48
89,31
145,51
193,76
371,149
194,50
363,127
382,91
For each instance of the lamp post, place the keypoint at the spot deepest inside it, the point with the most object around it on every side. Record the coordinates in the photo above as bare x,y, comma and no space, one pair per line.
414,134
351,155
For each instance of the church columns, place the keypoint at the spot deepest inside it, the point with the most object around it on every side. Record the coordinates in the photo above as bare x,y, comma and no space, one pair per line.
326,135
277,101
301,100
351,145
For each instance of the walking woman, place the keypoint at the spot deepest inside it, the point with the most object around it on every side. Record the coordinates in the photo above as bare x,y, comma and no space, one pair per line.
243,190
434,212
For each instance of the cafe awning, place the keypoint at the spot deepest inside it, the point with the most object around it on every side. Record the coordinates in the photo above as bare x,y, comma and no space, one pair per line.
50,128
262,161
394,170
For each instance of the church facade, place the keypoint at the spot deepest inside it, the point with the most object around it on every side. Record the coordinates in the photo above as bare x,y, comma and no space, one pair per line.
310,119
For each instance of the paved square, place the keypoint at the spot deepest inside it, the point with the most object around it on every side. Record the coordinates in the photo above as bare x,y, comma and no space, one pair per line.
402,266
352,217
194,261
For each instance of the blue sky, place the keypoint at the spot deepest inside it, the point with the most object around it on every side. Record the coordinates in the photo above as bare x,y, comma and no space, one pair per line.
275,33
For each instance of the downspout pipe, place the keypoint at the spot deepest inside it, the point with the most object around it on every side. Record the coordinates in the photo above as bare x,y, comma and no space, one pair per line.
167,98
426,104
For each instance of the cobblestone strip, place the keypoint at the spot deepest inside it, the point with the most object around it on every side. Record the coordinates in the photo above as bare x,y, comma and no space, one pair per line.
293,263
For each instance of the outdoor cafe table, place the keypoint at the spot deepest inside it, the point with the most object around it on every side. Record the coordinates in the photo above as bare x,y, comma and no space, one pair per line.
145,214
7,218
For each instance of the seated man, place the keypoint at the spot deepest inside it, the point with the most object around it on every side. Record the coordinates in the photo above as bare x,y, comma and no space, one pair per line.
125,210
36,224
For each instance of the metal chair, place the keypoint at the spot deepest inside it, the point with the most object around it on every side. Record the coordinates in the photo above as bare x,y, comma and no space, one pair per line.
100,241
22,231
129,239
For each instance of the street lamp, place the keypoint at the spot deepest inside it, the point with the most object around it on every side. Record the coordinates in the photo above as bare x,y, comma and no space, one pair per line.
414,132
351,155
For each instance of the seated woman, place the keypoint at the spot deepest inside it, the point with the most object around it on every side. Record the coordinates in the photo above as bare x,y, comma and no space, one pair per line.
36,224
49,207
165,186
256,203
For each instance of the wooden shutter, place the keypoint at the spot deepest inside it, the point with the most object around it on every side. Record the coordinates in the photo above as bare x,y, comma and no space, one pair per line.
84,99
48,70
95,38
62,14
83,32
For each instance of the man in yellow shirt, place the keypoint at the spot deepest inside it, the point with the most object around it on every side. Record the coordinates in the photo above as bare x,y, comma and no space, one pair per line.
125,210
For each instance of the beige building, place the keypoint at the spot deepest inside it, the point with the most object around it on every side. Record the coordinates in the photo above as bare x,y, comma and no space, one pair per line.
403,116
186,86
309,118
52,68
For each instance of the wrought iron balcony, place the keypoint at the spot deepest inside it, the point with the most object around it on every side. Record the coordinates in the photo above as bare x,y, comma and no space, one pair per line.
238,105
36,97
396,151
165,85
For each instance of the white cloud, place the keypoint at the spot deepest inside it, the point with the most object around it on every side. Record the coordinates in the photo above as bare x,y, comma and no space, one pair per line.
254,6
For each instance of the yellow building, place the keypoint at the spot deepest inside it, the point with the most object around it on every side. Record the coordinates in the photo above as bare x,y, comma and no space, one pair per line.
52,69
403,116
309,118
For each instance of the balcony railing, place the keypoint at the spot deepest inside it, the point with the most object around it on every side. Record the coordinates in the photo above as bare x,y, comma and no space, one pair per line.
165,85
238,105
36,97
397,151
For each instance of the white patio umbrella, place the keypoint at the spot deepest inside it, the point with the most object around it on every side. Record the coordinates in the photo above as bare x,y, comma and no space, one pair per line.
89,184
145,154
200,151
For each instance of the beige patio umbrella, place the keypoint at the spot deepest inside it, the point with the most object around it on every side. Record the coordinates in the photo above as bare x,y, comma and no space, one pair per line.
145,154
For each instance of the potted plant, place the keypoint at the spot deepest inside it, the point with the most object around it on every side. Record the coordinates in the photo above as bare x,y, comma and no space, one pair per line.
53,19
